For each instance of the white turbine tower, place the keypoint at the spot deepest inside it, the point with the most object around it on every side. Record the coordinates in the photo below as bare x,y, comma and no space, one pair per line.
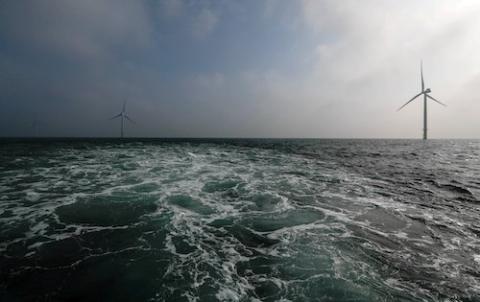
426,95
123,115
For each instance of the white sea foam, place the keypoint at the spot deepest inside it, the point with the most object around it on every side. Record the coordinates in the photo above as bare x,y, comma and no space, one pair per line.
432,239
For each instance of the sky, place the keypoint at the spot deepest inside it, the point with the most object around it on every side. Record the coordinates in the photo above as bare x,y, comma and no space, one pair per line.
244,68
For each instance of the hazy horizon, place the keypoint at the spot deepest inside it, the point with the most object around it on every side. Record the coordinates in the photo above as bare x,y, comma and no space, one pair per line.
213,138
238,69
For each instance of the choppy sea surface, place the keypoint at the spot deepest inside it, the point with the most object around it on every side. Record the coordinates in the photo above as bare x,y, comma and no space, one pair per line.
239,220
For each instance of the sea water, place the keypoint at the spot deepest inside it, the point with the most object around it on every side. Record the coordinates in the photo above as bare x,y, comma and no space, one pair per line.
239,220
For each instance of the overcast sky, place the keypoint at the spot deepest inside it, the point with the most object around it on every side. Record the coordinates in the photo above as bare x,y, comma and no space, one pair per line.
245,68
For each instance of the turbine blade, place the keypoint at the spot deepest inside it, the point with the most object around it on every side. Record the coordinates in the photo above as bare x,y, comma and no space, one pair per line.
128,118
410,101
118,115
433,99
124,108
421,75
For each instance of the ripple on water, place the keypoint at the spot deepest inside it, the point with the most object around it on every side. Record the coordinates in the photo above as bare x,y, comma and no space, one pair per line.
382,219
191,204
222,185
106,210
265,202
274,221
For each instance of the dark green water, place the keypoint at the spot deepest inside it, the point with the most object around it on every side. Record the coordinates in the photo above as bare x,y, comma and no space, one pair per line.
239,220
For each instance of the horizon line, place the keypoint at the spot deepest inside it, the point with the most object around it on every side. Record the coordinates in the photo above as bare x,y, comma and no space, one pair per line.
226,137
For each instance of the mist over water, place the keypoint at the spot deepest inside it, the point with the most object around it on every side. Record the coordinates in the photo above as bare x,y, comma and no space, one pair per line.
239,220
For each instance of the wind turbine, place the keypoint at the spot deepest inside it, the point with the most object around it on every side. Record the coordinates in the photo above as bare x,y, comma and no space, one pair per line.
425,93
123,115
35,126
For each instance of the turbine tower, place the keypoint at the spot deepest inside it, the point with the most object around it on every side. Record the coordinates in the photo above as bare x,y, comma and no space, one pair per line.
123,115
425,93
35,127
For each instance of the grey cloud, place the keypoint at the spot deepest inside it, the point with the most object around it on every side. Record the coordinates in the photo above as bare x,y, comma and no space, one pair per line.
204,23
172,8
76,29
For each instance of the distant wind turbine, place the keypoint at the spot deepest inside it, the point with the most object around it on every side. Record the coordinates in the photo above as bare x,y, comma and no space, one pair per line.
35,126
123,115
426,95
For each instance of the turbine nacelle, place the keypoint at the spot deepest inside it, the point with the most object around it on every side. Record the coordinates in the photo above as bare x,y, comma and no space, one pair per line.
428,90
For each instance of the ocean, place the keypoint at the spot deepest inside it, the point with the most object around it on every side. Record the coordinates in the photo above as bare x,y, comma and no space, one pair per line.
239,220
